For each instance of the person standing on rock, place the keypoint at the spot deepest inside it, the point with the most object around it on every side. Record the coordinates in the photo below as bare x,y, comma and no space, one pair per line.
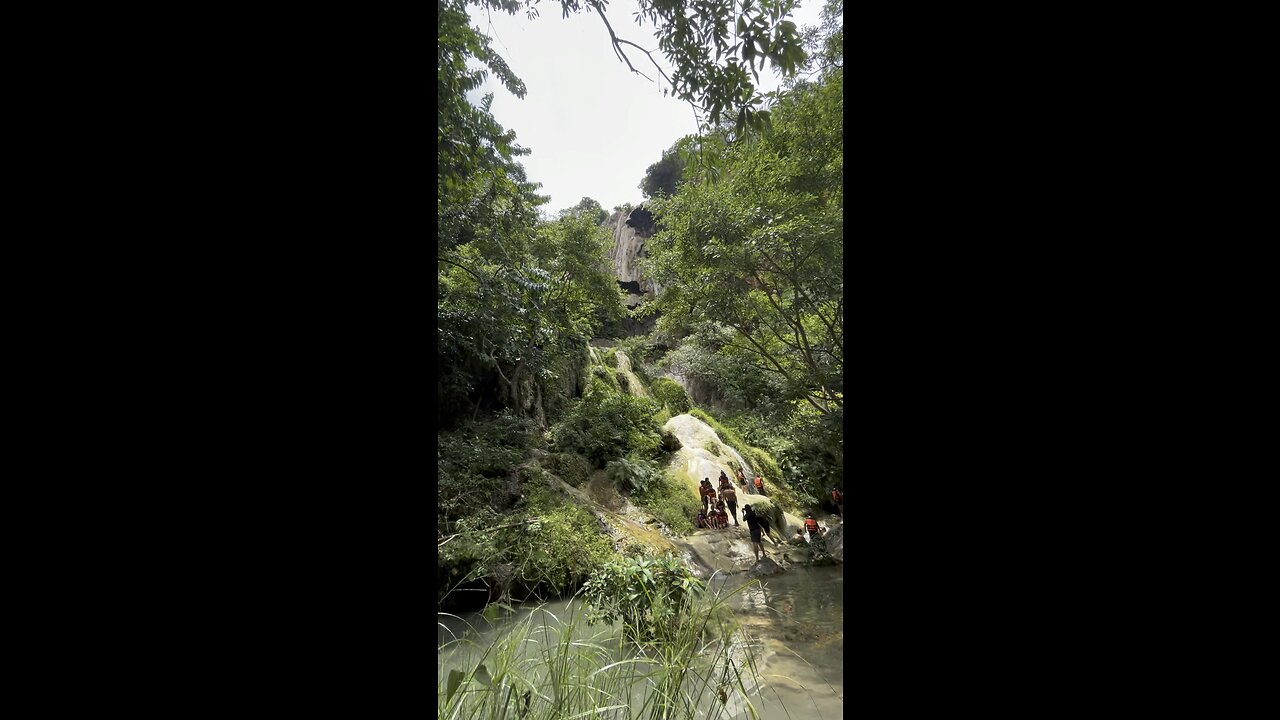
837,497
760,486
730,498
756,527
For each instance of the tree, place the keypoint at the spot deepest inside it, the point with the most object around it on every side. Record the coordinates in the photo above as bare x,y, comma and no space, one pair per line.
588,207
519,296
662,176
709,47
760,251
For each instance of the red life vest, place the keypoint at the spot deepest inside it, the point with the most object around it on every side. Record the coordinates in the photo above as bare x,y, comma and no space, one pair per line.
759,482
811,525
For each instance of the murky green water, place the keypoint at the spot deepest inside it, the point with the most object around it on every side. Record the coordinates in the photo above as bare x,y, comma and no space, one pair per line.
797,619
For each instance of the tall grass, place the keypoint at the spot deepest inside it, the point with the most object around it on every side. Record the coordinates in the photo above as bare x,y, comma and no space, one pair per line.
701,665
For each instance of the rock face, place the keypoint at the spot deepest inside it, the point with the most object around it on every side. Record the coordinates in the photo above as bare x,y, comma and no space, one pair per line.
630,231
703,455
835,542
765,568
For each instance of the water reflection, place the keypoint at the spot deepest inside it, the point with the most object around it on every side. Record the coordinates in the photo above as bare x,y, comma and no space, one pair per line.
794,620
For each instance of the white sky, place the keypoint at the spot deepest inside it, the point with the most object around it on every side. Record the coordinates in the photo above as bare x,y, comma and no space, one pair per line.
592,125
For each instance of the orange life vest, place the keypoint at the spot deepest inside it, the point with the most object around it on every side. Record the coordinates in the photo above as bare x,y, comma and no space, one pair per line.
811,525
759,482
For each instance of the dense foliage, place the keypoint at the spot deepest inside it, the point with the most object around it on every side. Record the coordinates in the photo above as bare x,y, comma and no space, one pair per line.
670,393
520,294
652,596
750,258
607,424
662,176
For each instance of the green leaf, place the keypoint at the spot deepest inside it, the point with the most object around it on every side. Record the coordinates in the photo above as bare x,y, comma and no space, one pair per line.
482,676
455,679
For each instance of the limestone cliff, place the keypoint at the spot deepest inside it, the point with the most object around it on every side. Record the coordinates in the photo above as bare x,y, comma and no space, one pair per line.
630,231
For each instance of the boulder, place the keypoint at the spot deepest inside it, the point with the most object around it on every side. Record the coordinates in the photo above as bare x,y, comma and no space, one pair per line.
765,568
835,542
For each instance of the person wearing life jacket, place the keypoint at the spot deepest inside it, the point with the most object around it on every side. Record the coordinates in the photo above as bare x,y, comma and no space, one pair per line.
837,497
724,479
760,486
721,519
811,526
701,520
707,492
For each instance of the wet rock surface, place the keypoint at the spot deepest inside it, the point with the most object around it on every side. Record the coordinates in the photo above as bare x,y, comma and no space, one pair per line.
835,542
765,568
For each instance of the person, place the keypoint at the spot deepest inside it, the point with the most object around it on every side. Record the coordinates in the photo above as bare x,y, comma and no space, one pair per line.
746,487
724,481
722,520
837,497
756,528
799,538
730,498
707,493
701,520
742,479
760,486
811,526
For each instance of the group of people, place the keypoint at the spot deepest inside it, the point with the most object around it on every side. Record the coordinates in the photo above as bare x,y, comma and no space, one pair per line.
716,503
721,503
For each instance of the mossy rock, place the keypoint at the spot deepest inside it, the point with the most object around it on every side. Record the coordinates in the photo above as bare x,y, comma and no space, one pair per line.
570,467
670,443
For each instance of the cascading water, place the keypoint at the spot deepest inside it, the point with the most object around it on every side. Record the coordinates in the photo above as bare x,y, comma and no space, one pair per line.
634,386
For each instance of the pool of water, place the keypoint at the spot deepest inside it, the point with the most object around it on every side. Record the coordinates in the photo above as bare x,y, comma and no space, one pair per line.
796,620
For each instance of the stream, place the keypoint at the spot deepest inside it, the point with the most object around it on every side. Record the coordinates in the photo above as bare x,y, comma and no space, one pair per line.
798,616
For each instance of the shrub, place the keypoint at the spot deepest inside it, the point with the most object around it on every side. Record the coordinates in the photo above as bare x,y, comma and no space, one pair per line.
670,393
477,460
569,467
604,426
632,474
559,551
604,376
670,501
652,596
